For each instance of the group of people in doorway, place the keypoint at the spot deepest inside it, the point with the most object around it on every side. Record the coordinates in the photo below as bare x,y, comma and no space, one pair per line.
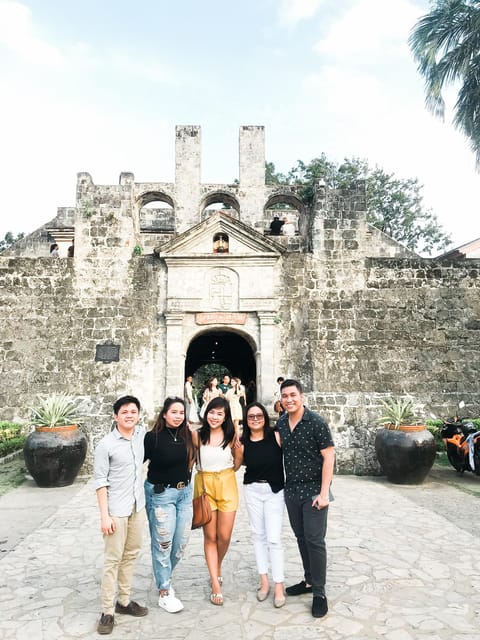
291,464
55,250
231,389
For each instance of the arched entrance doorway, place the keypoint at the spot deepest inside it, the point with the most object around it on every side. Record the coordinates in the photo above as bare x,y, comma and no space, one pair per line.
219,352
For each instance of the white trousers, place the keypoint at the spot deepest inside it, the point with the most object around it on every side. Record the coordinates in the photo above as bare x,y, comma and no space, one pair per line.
265,514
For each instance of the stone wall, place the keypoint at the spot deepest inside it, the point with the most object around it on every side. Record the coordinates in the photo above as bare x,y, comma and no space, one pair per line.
53,317
412,329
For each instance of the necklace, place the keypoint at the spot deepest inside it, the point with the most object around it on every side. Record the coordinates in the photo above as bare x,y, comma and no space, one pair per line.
173,435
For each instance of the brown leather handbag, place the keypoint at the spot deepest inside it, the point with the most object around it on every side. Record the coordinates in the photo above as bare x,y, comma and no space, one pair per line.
202,511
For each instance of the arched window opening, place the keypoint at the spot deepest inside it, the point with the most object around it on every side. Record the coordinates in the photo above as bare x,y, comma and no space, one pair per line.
220,202
282,214
157,213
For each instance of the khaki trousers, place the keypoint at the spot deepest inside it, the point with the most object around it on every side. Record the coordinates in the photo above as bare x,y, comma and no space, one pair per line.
121,550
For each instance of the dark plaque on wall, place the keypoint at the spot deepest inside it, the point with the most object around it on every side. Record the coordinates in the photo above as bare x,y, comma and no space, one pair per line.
107,353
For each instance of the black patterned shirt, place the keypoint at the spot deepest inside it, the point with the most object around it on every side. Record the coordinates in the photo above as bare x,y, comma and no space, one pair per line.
301,451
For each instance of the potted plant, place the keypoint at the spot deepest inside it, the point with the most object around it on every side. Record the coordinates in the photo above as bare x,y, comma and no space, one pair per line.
405,448
56,448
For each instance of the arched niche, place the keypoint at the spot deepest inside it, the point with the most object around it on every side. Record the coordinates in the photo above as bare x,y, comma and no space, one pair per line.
156,212
220,201
287,205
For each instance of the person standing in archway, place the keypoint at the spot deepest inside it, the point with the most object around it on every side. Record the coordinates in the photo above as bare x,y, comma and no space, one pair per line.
225,385
211,391
191,409
235,395
276,226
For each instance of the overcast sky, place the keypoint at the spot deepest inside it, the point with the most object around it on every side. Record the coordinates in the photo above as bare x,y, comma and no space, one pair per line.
99,86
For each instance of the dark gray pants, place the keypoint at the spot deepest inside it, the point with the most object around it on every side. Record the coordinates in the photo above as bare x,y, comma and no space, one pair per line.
309,525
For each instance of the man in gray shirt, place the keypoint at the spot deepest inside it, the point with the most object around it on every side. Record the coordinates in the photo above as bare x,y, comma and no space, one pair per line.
118,462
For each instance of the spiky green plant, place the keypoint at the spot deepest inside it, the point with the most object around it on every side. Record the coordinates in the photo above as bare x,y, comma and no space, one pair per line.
55,410
398,412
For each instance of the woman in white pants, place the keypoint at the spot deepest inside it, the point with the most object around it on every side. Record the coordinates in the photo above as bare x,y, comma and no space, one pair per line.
263,490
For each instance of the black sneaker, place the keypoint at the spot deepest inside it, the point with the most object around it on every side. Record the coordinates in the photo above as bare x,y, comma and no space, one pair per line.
298,589
132,609
319,606
105,624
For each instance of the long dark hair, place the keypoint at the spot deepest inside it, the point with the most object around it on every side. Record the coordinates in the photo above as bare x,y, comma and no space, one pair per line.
268,432
227,426
183,431
209,385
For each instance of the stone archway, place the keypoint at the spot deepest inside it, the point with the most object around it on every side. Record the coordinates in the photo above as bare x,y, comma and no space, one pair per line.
230,351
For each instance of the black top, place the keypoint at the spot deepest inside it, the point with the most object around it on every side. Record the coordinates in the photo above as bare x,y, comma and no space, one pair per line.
263,461
276,226
168,458
301,450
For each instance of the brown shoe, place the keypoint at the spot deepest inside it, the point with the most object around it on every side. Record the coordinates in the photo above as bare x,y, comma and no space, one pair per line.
105,624
132,609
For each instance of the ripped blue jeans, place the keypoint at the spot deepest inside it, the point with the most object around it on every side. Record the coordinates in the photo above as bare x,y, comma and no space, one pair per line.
170,521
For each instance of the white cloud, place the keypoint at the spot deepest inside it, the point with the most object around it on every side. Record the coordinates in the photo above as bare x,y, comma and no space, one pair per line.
293,11
17,34
47,141
148,70
370,28
394,131
346,94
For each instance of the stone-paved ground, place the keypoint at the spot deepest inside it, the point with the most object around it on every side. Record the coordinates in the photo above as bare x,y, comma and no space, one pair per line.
398,569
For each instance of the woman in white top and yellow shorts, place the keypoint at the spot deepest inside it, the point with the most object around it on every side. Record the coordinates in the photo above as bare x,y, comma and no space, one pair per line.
219,458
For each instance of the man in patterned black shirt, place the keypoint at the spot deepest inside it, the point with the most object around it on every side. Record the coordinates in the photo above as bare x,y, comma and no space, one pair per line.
309,457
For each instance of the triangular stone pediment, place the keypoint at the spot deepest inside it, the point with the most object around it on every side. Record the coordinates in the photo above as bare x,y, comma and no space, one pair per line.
243,240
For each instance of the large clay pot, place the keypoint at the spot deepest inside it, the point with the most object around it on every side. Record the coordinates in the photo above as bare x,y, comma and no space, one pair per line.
406,454
54,455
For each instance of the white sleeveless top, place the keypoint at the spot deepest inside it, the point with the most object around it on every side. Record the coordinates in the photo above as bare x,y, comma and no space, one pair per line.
215,458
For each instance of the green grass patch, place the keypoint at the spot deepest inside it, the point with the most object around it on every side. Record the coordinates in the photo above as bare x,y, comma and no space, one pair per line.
9,446
442,459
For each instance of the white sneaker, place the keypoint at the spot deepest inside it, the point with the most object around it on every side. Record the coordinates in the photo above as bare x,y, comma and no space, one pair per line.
170,603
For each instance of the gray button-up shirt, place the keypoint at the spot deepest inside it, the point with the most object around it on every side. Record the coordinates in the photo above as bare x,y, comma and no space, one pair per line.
117,465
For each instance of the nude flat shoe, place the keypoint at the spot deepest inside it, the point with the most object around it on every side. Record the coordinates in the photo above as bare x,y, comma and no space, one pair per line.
262,595
279,602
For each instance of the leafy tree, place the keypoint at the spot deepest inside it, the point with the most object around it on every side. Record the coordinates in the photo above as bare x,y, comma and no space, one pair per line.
446,45
272,177
394,206
9,239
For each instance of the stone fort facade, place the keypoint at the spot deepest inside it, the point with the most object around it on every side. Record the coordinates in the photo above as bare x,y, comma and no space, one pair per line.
169,276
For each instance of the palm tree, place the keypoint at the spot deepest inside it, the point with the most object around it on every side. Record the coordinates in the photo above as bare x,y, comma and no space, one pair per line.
446,45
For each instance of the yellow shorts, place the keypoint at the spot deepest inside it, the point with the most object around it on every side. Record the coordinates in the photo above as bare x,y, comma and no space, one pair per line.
221,488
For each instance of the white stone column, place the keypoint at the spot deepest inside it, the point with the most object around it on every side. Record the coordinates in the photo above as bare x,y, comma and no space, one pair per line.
266,375
175,364
252,174
187,176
